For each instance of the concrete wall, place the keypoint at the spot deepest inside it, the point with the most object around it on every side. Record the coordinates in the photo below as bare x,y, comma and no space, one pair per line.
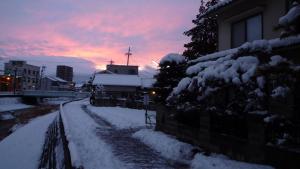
271,10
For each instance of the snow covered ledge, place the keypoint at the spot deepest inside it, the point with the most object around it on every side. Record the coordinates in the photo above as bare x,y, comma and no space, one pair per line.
170,148
75,159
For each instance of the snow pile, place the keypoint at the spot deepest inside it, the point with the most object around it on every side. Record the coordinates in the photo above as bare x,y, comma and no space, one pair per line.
12,103
280,91
166,145
275,60
122,118
172,57
291,16
6,116
22,149
88,149
208,162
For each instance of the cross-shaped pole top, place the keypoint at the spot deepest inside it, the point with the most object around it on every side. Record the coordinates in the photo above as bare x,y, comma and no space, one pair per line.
128,55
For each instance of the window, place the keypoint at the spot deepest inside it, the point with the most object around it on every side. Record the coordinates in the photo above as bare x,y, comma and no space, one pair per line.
247,30
131,71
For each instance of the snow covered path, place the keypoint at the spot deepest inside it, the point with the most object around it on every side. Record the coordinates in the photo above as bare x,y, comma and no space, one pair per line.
100,145
130,150
81,132
22,149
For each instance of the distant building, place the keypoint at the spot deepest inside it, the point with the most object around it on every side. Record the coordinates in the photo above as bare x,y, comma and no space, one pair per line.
64,72
29,74
7,83
54,83
123,69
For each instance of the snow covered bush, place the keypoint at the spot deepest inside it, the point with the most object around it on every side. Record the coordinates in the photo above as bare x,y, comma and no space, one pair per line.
290,23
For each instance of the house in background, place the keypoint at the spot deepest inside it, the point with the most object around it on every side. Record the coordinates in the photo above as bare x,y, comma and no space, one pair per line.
120,82
117,85
29,74
54,84
7,83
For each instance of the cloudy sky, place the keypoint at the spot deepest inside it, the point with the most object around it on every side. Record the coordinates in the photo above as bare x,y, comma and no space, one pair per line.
87,34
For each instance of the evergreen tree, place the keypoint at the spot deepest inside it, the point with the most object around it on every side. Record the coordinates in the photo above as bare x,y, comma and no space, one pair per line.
170,73
203,35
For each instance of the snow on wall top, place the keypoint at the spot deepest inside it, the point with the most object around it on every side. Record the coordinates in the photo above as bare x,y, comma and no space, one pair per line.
219,5
117,80
291,16
172,57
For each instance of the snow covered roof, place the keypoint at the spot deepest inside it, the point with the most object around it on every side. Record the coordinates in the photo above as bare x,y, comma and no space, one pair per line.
172,57
56,79
148,82
117,80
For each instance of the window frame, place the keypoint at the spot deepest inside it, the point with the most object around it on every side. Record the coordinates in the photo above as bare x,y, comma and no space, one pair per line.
244,20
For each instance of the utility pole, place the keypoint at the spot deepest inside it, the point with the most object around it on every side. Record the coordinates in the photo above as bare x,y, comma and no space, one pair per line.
42,75
15,80
128,55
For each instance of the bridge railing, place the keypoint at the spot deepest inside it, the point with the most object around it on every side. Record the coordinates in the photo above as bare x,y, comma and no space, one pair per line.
49,93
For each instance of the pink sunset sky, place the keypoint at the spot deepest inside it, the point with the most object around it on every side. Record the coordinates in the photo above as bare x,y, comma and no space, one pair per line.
87,34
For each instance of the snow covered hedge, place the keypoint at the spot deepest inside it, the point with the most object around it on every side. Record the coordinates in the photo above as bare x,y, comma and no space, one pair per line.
242,68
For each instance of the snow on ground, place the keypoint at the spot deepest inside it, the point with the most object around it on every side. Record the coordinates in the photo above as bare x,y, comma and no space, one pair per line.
22,149
166,145
122,118
12,103
208,162
173,149
91,151
6,117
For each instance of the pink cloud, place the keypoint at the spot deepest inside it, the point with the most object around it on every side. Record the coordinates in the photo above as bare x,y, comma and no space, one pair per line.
104,34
